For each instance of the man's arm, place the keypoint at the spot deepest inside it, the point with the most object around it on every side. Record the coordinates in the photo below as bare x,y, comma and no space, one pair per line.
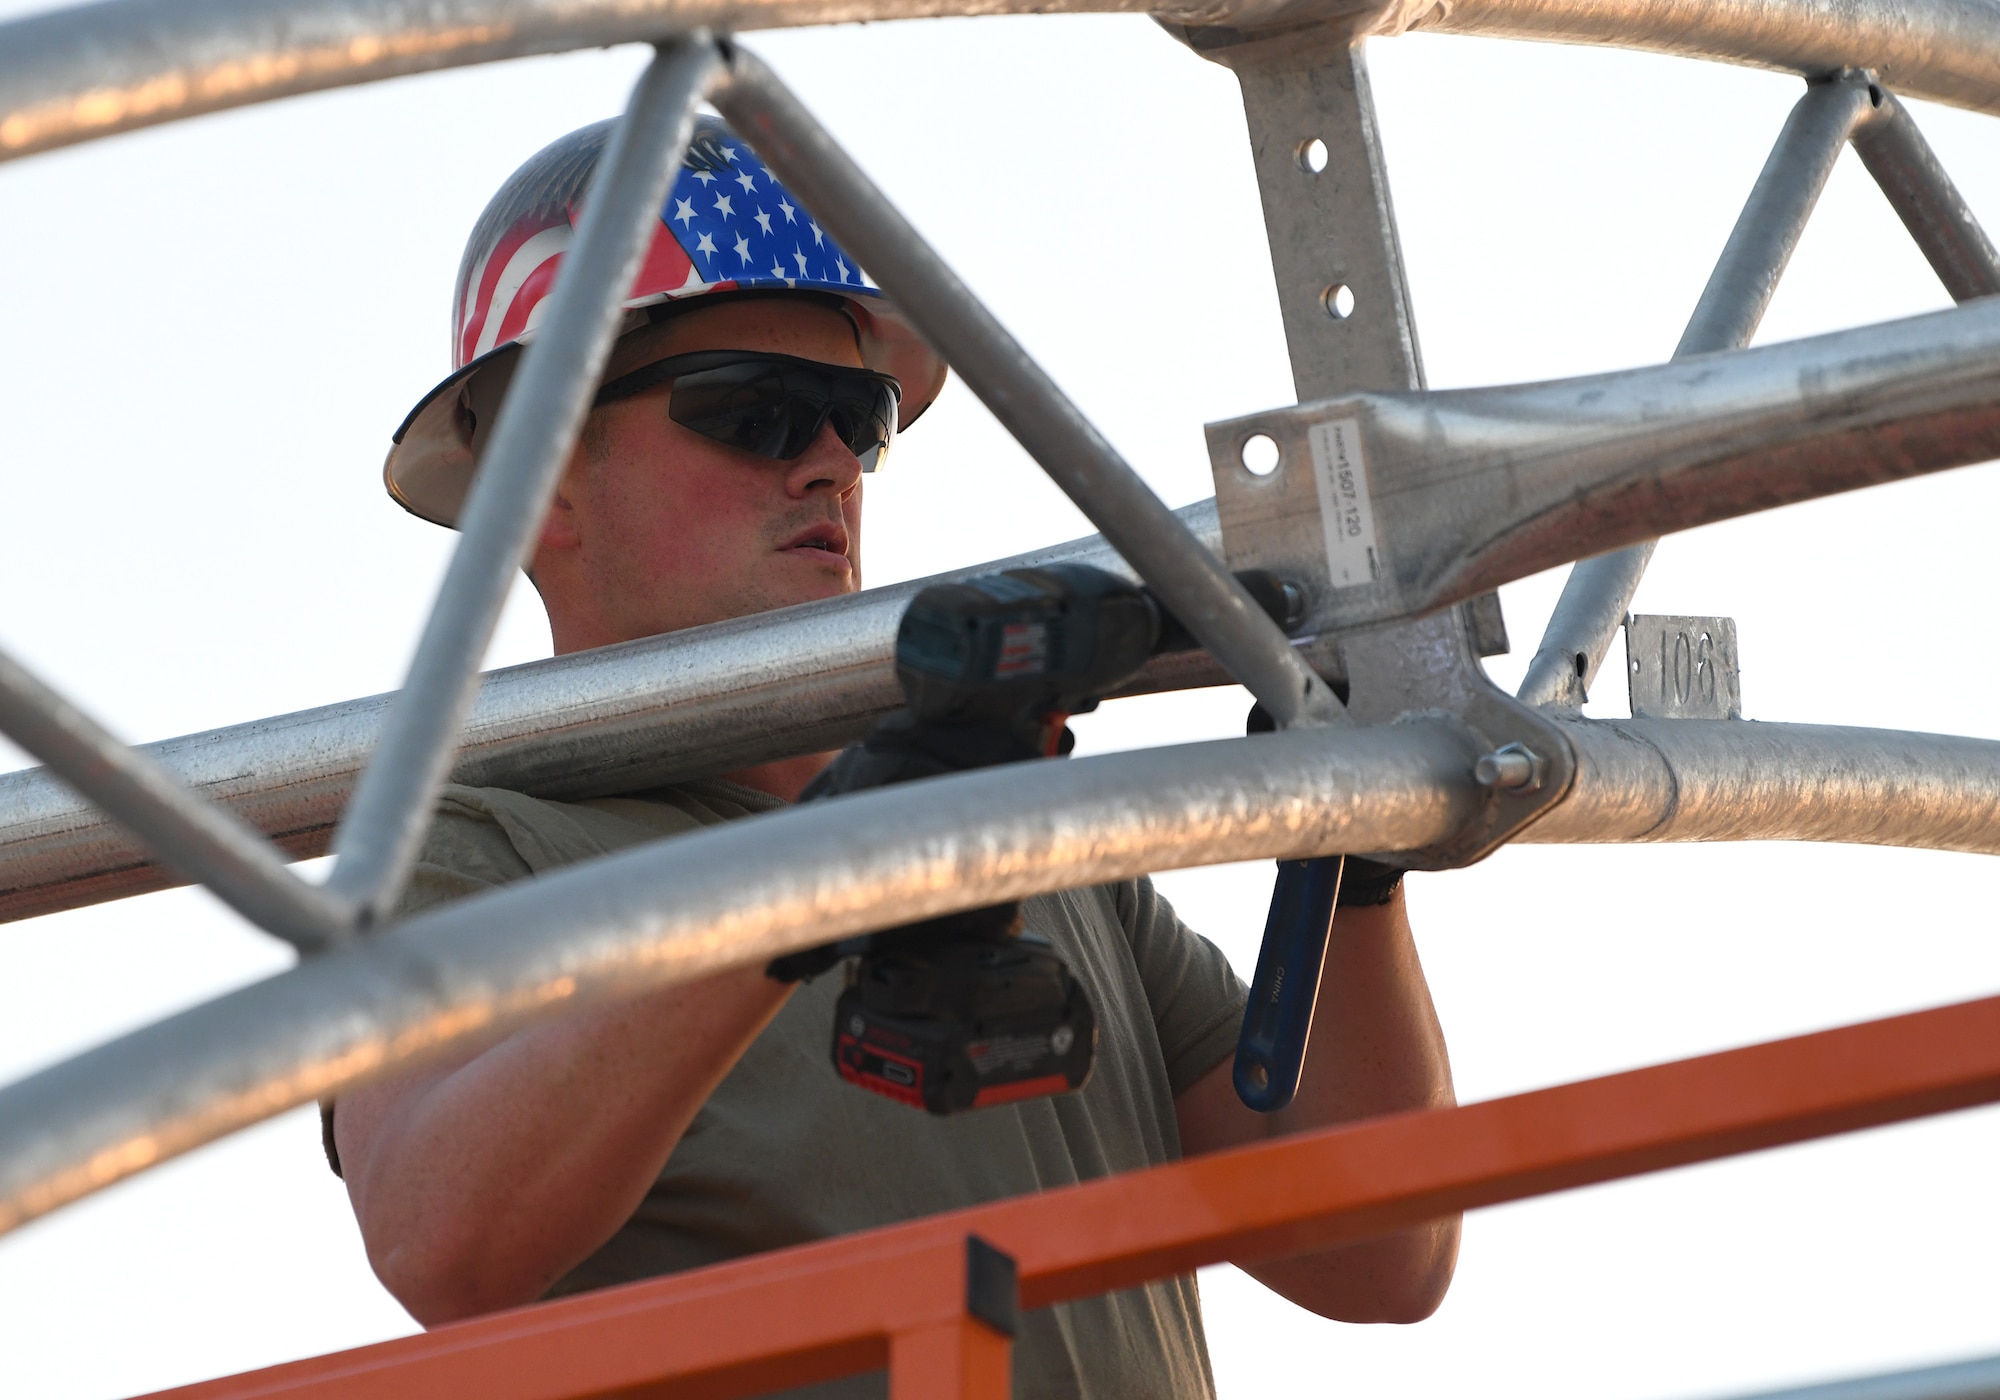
479,1182
1376,1048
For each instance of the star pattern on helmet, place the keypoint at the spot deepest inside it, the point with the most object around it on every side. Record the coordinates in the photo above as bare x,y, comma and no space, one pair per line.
725,221
731,237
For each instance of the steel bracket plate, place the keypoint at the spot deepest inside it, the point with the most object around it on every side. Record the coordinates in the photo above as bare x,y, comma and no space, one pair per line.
1349,327
1428,669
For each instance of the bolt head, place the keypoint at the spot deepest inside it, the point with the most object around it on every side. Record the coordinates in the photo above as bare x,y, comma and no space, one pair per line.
1512,768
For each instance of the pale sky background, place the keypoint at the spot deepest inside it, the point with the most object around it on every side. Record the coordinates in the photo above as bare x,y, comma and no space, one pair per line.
208,331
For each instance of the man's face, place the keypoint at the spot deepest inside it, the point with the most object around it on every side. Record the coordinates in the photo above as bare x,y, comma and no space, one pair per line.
656,528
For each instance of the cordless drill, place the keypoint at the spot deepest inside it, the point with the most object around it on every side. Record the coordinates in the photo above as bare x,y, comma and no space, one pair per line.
970,1009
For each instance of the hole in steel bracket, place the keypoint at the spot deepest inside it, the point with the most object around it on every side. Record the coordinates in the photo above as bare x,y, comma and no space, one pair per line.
1259,454
1338,301
1312,156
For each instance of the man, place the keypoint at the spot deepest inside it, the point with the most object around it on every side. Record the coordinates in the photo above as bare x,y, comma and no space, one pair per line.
720,476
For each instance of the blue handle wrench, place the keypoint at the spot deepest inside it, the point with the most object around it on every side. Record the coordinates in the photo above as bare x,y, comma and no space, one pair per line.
1278,1022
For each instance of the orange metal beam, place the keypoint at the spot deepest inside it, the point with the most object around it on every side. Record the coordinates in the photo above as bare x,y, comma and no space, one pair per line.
962,1360
898,1294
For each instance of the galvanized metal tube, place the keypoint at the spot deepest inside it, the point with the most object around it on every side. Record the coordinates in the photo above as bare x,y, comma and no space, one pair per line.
679,910
1963,1380
1775,214
1943,50
93,70
1927,202
201,840
481,966
1592,607
1727,780
532,438
1188,577
1598,592
1477,487
617,719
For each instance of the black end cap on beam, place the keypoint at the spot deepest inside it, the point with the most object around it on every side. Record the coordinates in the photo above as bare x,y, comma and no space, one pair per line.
992,1289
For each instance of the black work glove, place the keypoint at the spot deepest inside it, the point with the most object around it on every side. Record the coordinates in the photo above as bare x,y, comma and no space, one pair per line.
900,749
1364,883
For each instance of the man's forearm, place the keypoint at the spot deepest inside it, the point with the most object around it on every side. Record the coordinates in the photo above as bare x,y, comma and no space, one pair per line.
477,1185
1376,1043
1376,1048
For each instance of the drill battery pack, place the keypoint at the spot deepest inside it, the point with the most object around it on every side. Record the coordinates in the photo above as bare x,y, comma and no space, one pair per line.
964,1025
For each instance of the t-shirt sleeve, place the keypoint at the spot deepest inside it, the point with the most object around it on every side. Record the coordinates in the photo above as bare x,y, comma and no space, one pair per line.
1197,998
465,852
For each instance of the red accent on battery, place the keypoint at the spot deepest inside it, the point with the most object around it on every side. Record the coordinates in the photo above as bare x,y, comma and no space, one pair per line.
911,1094
1022,1089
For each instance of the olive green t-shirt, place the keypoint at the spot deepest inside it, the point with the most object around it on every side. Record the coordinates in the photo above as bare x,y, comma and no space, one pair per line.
784,1152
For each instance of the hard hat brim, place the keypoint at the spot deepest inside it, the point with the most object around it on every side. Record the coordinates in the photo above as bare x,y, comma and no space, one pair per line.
431,463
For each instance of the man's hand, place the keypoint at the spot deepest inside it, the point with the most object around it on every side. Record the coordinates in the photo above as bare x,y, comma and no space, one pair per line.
1376,1048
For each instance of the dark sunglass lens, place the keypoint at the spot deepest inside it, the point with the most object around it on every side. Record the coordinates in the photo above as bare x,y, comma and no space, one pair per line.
859,428
777,410
740,406
865,416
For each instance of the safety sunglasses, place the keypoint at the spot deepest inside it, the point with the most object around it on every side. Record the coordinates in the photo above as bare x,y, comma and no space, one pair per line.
771,405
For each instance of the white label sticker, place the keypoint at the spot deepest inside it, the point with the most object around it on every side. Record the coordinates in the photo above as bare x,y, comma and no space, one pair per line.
1345,513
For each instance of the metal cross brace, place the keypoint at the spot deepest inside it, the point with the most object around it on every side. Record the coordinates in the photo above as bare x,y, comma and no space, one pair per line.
1848,106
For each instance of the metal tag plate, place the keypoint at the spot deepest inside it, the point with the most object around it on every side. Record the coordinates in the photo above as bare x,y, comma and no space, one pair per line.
1682,667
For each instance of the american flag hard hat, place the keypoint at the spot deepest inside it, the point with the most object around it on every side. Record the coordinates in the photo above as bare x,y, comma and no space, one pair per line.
727,226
